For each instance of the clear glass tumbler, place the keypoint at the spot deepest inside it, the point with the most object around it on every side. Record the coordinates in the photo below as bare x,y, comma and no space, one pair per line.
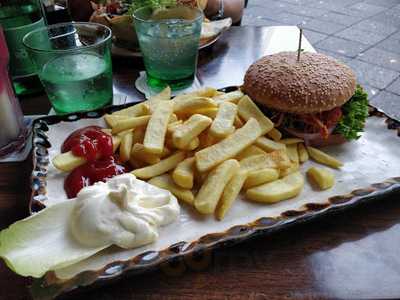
73,62
169,41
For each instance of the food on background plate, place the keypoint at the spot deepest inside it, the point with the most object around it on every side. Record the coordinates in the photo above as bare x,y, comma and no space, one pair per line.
315,99
124,211
121,21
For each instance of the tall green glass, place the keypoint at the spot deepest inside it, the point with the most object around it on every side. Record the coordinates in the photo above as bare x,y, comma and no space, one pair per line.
73,62
18,17
169,41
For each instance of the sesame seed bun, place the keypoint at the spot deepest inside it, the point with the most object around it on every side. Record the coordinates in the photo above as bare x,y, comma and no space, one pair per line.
314,84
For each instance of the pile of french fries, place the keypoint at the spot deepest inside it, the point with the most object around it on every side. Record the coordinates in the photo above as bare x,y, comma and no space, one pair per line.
206,147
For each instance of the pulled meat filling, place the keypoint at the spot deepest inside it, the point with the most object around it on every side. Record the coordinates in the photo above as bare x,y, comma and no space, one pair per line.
322,123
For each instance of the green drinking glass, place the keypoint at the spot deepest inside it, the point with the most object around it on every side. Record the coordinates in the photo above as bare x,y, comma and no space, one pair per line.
169,41
73,62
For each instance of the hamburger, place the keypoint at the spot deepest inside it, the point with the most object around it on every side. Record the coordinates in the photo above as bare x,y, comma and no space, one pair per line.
316,98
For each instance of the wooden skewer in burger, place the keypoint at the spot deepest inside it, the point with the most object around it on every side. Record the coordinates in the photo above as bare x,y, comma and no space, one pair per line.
315,97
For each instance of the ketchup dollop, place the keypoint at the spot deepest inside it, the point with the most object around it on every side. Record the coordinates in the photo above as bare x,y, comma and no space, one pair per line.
91,172
89,142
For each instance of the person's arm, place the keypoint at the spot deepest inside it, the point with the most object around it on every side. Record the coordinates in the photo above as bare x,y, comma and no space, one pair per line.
231,8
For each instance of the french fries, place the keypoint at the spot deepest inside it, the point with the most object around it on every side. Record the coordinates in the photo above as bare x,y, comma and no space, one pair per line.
211,190
67,161
275,134
174,125
204,92
294,167
206,140
153,101
238,123
122,133
130,123
136,110
139,153
229,147
113,120
247,109
183,175
233,97
250,151
323,158
210,112
138,135
161,167
165,182
268,145
164,95
323,177
230,193
116,142
291,150
258,177
186,106
282,189
157,127
126,147
194,144
257,162
190,129
290,141
303,154
222,125
281,159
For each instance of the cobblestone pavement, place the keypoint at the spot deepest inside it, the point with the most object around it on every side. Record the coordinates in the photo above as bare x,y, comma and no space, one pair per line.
365,34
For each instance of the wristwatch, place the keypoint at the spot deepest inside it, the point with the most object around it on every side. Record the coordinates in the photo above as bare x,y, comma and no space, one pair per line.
220,13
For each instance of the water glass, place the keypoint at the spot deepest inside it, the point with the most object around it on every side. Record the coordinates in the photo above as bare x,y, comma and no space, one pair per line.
169,41
73,62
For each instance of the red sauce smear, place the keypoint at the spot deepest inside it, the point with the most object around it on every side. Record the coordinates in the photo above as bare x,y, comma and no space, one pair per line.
91,172
89,142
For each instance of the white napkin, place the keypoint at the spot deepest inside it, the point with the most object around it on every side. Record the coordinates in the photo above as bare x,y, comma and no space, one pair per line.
24,152
141,85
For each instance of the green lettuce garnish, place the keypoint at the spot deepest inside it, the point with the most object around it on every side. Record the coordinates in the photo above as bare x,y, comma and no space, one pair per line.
355,112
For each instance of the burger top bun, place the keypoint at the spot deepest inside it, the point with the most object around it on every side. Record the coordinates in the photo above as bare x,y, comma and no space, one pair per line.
314,84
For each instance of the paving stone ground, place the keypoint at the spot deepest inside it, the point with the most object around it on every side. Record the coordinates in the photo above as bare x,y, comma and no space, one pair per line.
365,34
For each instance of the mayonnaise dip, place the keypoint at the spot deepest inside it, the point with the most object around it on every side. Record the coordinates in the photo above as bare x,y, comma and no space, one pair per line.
123,211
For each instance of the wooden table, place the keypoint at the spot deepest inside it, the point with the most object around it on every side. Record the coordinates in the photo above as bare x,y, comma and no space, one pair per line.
354,254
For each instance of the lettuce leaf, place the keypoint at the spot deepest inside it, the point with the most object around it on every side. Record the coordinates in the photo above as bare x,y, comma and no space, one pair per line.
42,242
355,112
